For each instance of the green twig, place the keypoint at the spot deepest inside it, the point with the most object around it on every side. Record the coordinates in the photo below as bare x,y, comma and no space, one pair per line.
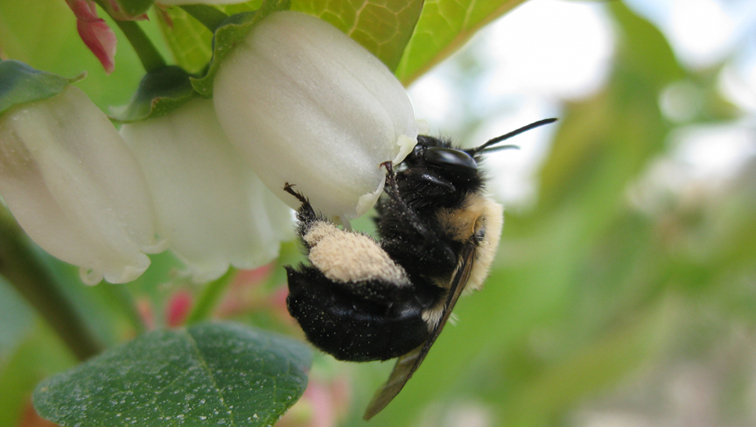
125,300
32,280
208,16
148,54
210,297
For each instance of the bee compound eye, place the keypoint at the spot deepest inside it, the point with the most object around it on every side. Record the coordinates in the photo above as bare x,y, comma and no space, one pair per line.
451,158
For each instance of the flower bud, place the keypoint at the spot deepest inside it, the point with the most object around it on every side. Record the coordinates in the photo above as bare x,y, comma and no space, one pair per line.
209,204
75,188
95,32
307,105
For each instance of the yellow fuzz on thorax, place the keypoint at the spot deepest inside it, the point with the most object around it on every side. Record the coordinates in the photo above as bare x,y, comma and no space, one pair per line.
493,221
477,213
345,256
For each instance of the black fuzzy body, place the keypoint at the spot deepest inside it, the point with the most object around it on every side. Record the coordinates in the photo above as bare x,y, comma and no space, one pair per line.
377,319
354,327
408,224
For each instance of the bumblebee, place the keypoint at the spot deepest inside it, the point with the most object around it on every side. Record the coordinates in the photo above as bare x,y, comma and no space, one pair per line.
360,299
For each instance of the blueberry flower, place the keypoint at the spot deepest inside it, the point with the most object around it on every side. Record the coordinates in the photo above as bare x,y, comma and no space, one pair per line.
69,179
209,204
307,105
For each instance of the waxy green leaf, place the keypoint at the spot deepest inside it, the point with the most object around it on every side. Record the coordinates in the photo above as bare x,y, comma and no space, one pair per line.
188,39
444,26
208,374
383,28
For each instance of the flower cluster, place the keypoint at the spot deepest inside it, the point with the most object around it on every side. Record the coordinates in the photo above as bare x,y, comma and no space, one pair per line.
297,102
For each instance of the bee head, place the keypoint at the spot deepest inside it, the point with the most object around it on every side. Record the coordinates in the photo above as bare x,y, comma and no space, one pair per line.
438,158
437,162
446,158
440,155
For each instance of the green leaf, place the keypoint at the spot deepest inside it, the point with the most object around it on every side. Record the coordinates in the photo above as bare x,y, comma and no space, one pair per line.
444,26
382,27
126,9
15,316
21,84
39,354
210,17
229,34
208,374
160,92
187,38
595,366
190,41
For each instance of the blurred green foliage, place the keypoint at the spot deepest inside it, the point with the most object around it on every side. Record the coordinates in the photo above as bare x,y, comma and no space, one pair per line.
596,290
591,288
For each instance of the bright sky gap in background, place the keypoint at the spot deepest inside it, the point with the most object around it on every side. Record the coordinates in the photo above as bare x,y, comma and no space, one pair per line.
524,66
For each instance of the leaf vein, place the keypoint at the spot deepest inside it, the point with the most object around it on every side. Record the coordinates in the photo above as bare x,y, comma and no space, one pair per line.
206,368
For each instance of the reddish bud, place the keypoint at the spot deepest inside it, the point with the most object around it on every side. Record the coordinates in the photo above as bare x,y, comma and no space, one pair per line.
95,32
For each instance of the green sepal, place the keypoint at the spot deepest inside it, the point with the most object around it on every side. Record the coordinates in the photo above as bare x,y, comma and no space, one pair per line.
229,34
21,84
160,92
208,374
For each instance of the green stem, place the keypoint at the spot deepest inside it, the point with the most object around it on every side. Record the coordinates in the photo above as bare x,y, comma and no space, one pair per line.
22,269
148,54
145,50
125,300
208,16
210,297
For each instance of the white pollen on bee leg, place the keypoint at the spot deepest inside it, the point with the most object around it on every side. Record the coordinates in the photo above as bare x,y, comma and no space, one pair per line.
346,256
318,230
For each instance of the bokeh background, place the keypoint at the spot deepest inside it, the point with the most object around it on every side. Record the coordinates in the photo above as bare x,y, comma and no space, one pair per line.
624,291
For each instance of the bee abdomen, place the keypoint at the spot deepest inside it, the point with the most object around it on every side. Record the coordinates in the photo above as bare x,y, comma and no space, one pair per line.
359,326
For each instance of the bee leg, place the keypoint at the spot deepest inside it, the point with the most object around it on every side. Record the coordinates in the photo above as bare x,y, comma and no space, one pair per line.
392,187
289,188
306,215
408,215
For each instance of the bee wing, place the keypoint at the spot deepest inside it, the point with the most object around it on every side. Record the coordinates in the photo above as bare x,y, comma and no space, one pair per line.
407,364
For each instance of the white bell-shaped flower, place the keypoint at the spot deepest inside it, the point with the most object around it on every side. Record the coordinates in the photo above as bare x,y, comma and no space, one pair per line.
74,186
307,105
209,204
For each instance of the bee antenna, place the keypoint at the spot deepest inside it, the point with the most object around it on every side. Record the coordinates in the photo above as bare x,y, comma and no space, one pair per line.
484,147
